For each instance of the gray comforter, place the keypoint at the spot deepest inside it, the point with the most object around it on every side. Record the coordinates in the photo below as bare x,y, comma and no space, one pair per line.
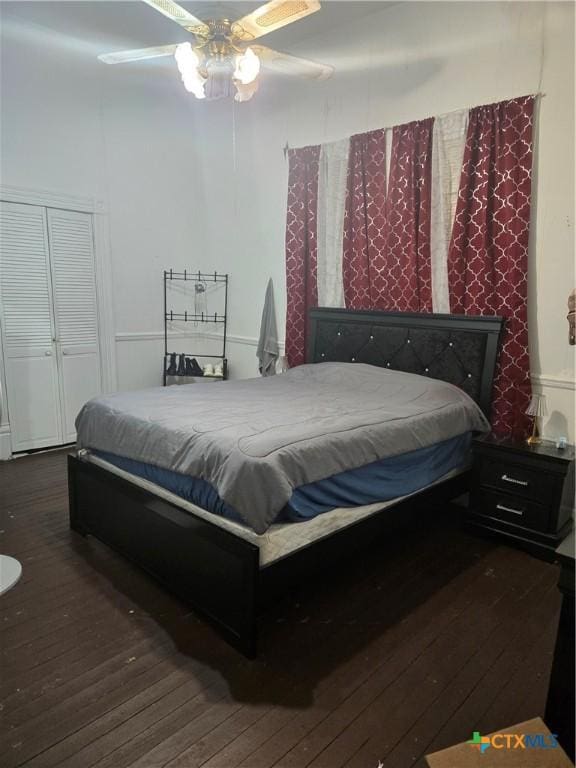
256,440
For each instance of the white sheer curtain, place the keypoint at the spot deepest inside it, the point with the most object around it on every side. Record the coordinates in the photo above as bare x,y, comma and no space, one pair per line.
449,138
332,178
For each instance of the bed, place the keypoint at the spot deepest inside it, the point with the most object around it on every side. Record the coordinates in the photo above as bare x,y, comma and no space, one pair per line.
225,568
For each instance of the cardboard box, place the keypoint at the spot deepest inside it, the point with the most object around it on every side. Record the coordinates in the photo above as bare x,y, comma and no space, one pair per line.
500,755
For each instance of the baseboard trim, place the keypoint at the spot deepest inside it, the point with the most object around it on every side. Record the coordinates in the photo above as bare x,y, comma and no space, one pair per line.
130,336
555,382
538,379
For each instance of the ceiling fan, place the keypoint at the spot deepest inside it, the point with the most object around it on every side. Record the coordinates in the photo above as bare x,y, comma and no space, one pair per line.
221,57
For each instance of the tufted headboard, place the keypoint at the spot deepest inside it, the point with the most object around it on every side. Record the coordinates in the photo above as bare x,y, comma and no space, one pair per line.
459,349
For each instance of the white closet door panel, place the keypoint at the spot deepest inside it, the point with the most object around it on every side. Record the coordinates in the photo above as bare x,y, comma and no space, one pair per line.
24,277
81,377
72,255
75,311
28,328
32,383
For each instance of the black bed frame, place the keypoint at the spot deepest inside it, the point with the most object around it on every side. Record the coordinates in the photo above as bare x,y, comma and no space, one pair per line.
219,573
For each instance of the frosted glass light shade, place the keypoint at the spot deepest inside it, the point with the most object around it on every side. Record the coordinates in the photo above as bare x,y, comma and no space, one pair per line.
537,406
247,67
215,77
188,63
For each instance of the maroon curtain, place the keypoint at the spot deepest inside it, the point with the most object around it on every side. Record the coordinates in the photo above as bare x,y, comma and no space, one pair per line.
386,262
302,292
363,267
488,256
408,218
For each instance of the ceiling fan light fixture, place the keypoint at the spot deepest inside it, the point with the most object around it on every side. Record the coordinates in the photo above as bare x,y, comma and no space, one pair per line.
247,67
244,92
216,64
219,82
188,63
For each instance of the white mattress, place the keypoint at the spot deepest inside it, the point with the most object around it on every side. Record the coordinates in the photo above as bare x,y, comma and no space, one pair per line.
280,539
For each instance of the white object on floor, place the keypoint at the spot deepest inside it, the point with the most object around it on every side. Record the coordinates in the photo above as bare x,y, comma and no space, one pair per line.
219,371
10,572
208,370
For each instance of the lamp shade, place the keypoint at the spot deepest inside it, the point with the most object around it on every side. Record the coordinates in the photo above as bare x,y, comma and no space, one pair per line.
537,406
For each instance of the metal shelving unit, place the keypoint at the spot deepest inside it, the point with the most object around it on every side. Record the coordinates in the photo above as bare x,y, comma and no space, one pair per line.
204,318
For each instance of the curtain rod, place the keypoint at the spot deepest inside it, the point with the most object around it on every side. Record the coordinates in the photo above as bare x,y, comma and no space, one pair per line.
540,95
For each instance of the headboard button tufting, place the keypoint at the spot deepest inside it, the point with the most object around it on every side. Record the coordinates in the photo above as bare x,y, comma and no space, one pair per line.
458,349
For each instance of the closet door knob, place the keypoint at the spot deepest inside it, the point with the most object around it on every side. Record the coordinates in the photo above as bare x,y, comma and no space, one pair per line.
48,353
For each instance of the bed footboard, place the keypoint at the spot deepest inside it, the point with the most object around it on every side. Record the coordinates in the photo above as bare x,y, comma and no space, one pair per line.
212,570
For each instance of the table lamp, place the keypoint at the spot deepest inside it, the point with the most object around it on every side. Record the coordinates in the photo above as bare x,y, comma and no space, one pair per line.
536,409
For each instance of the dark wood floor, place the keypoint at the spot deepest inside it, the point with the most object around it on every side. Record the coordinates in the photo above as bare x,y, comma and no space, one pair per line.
404,650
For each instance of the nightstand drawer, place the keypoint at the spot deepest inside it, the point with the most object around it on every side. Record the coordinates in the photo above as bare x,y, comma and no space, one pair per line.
517,479
511,509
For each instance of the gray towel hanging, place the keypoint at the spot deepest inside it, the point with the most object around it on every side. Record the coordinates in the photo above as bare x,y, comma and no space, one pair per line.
267,350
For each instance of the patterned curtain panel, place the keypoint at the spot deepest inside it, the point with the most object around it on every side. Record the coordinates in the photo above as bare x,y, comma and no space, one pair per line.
406,257
488,256
363,265
387,236
301,287
446,231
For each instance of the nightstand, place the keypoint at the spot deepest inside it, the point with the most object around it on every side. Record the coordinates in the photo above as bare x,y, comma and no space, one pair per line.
524,493
560,704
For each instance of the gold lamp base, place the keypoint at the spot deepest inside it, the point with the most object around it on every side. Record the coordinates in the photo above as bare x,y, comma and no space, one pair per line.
534,438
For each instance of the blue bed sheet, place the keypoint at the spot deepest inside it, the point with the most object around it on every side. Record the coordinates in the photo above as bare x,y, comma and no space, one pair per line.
380,481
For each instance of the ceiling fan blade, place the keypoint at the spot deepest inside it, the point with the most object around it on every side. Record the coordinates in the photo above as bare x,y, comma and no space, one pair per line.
271,16
122,57
180,15
291,65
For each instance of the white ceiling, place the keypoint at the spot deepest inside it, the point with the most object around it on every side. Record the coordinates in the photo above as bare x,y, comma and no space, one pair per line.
109,25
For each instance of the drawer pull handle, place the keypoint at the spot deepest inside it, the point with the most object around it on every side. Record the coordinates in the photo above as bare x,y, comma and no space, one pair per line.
502,508
513,480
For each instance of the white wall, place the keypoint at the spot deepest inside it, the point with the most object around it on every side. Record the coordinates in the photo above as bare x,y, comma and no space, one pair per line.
203,185
427,59
137,142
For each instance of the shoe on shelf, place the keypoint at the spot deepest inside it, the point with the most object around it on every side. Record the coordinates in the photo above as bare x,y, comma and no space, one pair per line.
172,367
181,366
219,370
195,368
189,367
208,370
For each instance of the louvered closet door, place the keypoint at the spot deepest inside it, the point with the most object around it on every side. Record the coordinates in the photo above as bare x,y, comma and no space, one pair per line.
75,311
28,328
